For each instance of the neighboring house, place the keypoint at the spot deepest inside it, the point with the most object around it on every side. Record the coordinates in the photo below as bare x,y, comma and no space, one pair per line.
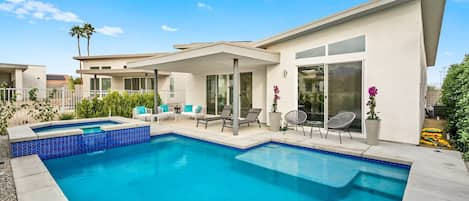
323,67
104,72
57,81
23,76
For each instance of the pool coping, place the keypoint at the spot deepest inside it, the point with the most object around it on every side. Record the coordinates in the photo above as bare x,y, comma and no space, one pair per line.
26,133
418,186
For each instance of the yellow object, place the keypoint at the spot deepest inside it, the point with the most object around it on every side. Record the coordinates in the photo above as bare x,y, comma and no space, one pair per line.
434,135
422,141
443,142
432,130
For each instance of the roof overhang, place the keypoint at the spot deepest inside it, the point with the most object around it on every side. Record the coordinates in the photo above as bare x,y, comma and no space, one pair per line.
121,72
212,58
432,15
12,67
118,56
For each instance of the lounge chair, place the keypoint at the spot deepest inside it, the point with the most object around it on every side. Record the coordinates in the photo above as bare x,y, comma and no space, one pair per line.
341,121
142,113
163,113
225,114
252,117
192,112
297,118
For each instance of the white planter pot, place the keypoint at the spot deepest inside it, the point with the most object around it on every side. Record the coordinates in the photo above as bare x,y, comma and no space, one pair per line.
275,121
372,131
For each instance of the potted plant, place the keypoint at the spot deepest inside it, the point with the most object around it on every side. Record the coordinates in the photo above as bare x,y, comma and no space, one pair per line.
372,122
275,116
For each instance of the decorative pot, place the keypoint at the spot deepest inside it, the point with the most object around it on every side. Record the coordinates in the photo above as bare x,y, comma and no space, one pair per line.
275,120
372,131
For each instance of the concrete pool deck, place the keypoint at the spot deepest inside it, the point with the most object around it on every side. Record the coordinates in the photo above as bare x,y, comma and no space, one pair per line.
434,175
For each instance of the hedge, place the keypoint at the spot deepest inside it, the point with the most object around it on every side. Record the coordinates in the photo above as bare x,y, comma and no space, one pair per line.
455,95
114,104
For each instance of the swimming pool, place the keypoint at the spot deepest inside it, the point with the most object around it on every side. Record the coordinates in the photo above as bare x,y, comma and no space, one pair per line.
172,167
86,127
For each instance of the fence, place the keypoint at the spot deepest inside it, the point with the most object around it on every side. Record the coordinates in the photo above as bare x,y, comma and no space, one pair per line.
65,100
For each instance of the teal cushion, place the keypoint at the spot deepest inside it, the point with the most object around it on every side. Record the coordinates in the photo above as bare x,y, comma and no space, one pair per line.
198,109
141,109
187,108
164,108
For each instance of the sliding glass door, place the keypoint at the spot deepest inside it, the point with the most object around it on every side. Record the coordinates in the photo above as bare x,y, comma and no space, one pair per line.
345,90
311,92
220,92
326,90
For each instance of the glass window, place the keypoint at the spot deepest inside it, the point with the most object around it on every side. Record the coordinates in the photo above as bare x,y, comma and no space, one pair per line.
151,83
315,52
352,45
94,67
105,67
171,87
211,93
94,84
128,84
311,92
135,83
142,83
345,90
105,83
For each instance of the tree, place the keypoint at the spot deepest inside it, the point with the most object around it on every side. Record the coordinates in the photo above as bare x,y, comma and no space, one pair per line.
88,30
77,31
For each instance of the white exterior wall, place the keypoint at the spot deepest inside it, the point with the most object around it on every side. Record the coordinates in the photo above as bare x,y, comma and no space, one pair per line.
392,62
35,77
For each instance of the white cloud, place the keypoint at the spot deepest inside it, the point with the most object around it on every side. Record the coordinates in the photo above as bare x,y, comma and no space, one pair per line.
448,53
168,28
110,31
204,6
38,10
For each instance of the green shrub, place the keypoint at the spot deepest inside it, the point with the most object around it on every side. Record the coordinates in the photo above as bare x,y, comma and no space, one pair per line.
455,95
114,104
7,111
66,116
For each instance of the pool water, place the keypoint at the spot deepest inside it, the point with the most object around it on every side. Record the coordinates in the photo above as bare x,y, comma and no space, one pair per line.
87,127
177,168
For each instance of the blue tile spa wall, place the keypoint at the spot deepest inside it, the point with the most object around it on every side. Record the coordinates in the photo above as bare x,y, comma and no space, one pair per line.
78,144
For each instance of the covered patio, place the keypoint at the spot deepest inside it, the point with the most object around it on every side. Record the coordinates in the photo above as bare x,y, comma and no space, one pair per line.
213,58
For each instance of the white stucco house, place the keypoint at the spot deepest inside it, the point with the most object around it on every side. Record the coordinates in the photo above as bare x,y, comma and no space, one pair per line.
104,72
322,68
17,78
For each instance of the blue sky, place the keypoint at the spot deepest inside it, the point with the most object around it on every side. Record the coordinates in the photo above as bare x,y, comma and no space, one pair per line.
36,31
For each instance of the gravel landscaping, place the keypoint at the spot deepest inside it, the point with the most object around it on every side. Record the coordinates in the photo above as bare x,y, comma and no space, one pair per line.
7,187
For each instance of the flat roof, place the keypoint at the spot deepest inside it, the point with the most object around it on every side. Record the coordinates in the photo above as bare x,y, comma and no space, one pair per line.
209,58
117,56
432,15
198,44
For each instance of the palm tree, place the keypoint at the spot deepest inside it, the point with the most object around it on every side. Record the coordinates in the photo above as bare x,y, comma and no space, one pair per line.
88,30
77,31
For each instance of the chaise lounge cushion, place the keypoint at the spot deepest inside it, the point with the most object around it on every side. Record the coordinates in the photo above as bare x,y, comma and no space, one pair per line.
164,108
141,109
187,108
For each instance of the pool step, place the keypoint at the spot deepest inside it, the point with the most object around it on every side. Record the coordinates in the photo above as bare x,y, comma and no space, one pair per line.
387,186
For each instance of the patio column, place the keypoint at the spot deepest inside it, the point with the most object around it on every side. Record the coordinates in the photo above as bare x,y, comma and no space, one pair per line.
235,97
155,109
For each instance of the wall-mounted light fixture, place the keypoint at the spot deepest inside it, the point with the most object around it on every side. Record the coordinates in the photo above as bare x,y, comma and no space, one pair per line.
285,73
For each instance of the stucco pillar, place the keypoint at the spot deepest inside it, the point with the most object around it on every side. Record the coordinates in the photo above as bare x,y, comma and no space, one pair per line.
19,84
155,108
235,97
